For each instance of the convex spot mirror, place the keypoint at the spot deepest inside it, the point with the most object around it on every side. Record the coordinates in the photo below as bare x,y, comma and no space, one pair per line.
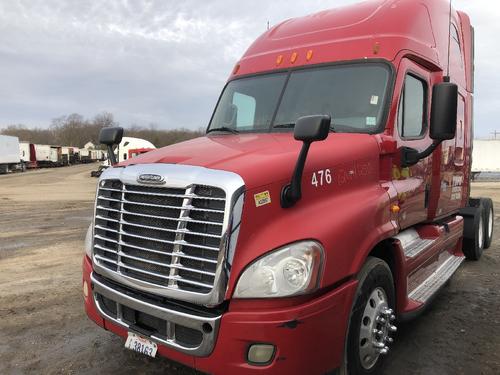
444,111
111,136
312,128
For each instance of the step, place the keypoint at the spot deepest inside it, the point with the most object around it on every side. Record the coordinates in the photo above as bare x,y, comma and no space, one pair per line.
412,244
436,280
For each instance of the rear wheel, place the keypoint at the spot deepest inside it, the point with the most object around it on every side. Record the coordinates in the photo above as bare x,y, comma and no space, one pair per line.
474,232
370,324
489,221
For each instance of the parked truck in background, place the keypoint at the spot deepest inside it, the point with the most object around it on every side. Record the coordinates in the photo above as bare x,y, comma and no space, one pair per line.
129,147
329,199
27,154
9,154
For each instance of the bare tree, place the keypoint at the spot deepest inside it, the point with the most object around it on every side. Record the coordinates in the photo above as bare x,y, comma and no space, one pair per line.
75,130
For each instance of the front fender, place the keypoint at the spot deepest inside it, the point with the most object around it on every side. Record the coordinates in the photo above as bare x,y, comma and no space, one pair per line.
348,222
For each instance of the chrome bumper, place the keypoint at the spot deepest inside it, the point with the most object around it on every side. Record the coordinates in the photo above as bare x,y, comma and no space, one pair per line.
208,327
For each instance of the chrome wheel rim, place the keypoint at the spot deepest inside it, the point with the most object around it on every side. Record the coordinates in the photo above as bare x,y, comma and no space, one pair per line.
490,223
480,234
376,325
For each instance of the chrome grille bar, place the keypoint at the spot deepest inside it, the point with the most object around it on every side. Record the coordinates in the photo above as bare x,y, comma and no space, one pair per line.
170,240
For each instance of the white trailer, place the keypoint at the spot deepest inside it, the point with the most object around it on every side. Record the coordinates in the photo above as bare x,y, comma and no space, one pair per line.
96,155
24,152
9,154
42,153
486,156
85,155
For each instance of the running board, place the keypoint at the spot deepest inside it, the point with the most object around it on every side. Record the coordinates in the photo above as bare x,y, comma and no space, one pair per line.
412,244
436,280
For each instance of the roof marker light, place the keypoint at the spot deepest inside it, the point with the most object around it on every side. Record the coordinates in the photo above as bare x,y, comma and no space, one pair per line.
376,48
236,69
293,58
279,60
309,55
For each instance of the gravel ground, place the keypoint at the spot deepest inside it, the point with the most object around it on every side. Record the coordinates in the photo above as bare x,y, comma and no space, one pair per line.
43,328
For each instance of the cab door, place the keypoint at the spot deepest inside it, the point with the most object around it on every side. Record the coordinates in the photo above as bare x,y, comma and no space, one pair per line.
411,130
451,169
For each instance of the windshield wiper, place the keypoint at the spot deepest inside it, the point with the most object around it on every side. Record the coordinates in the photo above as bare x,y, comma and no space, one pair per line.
223,129
291,126
284,126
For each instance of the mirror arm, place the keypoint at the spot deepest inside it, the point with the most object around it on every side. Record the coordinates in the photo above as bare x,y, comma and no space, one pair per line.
111,155
292,192
410,156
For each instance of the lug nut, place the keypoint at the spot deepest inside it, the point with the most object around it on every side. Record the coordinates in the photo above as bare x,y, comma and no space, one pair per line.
393,317
384,351
387,312
389,340
381,319
392,328
379,345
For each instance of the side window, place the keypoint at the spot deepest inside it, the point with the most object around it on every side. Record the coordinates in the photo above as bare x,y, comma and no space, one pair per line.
411,115
124,156
245,109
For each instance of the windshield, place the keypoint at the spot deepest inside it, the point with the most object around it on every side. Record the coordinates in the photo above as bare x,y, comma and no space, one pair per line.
353,95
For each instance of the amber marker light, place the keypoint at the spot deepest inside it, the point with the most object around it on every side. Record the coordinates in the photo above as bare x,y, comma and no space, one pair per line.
309,55
395,208
279,60
236,69
376,48
293,58
85,289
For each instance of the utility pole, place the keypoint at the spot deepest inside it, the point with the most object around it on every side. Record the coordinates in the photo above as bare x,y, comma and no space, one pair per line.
495,133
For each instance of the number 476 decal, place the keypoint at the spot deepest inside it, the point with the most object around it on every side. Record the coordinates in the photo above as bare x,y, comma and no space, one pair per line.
321,178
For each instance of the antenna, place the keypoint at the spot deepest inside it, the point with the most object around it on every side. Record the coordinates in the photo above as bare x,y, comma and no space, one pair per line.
447,78
268,25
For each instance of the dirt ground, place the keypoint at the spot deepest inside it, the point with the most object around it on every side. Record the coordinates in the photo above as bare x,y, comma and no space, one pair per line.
43,328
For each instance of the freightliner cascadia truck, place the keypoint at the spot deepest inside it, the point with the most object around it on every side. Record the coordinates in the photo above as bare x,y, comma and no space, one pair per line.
328,201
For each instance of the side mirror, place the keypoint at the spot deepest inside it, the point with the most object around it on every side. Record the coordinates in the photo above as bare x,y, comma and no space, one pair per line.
111,137
443,122
312,128
444,111
307,129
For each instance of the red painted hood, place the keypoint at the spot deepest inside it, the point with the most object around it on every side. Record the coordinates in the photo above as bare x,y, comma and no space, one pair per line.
261,159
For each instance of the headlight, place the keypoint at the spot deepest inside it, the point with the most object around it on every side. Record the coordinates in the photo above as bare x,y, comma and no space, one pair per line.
288,271
88,242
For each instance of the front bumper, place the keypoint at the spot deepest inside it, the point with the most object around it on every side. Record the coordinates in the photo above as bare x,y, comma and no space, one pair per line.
309,338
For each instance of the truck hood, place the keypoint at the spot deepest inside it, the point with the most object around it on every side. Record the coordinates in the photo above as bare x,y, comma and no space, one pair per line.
261,159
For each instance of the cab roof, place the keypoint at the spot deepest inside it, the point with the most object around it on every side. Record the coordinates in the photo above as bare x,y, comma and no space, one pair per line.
376,29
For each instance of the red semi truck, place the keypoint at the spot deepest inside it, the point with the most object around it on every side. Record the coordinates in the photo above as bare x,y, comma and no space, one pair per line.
328,200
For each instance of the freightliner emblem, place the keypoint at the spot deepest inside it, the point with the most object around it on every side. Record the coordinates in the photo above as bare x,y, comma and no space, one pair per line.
152,179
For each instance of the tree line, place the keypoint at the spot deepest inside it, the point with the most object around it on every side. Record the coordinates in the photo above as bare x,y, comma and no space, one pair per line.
75,130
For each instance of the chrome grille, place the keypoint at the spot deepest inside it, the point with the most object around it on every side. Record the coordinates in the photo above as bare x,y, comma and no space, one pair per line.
165,237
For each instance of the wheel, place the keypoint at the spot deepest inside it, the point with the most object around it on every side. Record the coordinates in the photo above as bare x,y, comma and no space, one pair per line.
489,221
473,241
371,320
23,167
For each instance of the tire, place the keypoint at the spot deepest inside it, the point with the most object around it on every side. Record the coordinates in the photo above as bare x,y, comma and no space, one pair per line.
374,279
473,241
489,221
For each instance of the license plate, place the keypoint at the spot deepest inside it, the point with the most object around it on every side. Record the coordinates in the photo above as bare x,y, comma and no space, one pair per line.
141,345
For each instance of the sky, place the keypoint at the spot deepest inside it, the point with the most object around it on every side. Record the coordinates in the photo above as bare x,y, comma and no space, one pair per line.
164,62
